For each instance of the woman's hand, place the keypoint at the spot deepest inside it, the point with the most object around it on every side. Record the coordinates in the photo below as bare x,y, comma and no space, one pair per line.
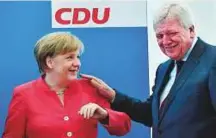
92,110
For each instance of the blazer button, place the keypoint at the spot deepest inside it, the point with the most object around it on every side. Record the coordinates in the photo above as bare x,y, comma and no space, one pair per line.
69,134
66,118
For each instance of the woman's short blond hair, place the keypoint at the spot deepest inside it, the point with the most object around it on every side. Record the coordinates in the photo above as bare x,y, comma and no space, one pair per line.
56,43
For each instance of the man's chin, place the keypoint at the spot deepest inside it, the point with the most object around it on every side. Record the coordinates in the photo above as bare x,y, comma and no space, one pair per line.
172,56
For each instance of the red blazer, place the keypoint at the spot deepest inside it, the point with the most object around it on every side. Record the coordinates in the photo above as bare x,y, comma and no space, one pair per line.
36,112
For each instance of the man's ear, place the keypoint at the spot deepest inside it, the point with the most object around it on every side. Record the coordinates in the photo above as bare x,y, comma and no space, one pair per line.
49,62
192,31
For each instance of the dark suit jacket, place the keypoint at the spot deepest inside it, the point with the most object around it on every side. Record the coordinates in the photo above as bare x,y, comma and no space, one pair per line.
190,111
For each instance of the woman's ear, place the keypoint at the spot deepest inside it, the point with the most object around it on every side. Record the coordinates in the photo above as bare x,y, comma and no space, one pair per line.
49,62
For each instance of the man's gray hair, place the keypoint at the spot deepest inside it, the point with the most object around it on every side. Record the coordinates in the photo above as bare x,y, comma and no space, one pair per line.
174,11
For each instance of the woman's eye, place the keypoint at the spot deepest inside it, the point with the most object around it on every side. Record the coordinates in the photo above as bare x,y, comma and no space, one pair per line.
70,57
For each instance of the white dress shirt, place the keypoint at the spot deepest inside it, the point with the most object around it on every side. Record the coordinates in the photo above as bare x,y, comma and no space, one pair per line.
173,74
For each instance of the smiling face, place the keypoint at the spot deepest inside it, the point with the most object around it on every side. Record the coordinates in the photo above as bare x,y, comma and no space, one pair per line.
58,49
173,39
64,67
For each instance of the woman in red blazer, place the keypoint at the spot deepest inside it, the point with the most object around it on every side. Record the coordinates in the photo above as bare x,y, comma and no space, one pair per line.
58,105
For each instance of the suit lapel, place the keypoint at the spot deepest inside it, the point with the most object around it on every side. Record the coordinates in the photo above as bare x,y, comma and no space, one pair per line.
188,67
164,74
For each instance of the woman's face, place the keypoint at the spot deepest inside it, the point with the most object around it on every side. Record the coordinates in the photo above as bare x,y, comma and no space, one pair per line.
64,67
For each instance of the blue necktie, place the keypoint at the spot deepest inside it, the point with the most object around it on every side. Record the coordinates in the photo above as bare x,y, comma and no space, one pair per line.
179,64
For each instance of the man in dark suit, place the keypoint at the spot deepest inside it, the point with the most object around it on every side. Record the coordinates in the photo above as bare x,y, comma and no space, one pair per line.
183,103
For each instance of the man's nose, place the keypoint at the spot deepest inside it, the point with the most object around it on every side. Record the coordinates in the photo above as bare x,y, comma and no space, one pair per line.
166,40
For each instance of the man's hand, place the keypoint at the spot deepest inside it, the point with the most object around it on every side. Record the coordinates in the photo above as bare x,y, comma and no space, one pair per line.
92,110
104,89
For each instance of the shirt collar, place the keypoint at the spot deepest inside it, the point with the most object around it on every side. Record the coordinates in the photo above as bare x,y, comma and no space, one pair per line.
42,85
190,49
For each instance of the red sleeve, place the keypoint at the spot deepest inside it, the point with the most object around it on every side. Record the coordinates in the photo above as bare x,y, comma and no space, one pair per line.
16,120
119,123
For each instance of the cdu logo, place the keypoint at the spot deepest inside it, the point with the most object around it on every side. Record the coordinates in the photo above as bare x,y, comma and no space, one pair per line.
82,16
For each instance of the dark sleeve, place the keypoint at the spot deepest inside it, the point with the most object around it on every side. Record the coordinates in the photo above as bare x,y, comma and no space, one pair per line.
137,110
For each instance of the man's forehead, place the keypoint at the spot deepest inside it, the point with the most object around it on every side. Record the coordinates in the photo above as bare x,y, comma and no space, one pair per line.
166,29
168,25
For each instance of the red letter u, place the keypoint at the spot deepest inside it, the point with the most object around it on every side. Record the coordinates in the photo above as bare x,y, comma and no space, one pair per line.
105,17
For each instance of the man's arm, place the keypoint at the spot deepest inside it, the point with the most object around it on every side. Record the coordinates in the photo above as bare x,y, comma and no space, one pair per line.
138,111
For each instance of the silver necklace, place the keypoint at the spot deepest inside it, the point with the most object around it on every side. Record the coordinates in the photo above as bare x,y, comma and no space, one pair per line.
60,92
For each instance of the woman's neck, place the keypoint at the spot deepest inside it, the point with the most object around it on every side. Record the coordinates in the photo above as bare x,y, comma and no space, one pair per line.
54,83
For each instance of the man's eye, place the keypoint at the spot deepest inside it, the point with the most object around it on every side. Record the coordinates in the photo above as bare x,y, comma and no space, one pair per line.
173,33
159,36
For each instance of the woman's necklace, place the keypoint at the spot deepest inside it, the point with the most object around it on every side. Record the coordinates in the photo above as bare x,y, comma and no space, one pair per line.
60,92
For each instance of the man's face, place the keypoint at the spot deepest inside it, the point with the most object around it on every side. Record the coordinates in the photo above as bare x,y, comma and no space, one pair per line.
173,39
